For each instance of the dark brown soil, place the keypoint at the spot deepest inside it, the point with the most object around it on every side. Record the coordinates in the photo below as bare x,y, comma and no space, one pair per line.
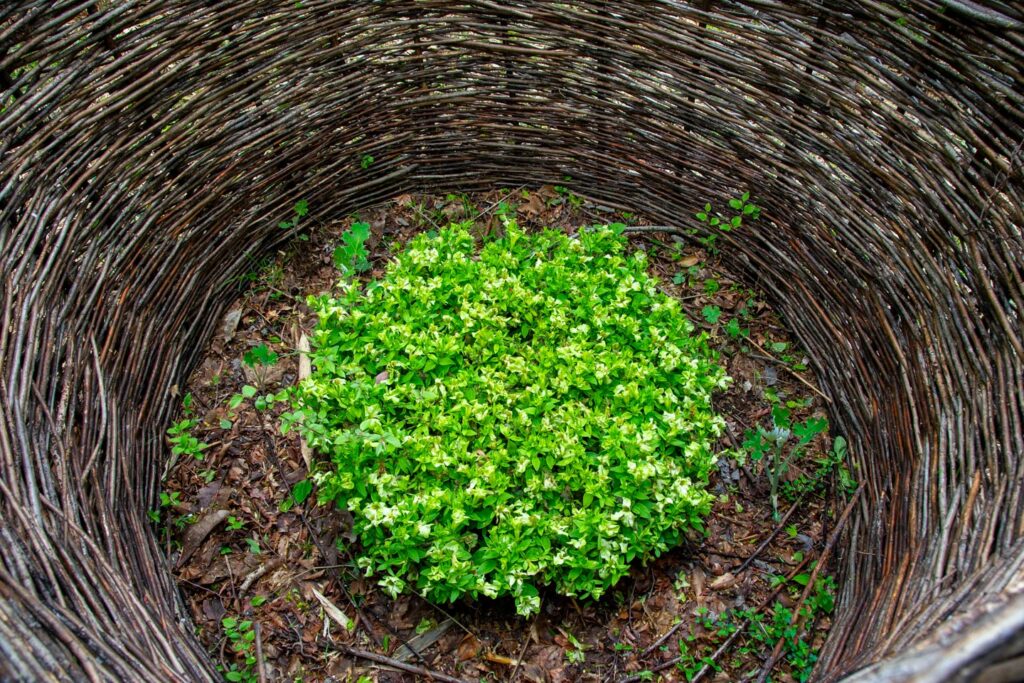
283,559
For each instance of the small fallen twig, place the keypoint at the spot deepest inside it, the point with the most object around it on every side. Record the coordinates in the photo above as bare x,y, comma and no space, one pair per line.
660,641
198,532
792,372
764,544
522,650
494,205
261,665
253,576
231,580
305,370
394,663
654,228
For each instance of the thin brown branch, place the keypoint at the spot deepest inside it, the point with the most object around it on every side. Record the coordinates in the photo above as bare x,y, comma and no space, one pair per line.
395,664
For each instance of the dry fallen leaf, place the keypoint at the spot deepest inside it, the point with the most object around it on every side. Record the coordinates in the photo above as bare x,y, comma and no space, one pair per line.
423,641
533,206
230,323
697,581
726,580
198,532
469,648
332,611
305,370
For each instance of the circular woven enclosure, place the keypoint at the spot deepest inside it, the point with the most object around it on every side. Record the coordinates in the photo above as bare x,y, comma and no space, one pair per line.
149,150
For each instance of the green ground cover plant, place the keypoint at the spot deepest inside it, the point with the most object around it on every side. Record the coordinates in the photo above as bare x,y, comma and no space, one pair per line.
531,412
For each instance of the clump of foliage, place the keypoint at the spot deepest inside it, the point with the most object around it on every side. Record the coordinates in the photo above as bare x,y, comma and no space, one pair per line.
533,413
242,638
744,209
180,434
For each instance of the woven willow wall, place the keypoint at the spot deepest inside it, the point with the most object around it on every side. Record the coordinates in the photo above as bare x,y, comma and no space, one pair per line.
149,149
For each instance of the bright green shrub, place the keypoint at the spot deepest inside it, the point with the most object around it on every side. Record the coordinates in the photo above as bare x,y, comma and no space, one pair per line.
537,414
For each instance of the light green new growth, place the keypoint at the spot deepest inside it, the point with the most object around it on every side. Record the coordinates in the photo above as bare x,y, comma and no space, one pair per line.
537,413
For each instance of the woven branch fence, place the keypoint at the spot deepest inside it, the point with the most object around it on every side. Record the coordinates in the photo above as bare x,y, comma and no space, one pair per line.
148,151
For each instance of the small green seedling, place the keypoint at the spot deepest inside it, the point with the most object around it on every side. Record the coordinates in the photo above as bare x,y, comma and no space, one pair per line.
833,462
242,639
183,442
735,330
299,211
260,358
259,355
577,654
248,391
744,208
567,195
778,448
351,256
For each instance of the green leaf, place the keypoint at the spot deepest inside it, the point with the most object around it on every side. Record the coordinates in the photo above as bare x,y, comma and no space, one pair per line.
259,355
736,204
734,330
248,391
780,417
225,423
712,314
301,491
360,231
809,429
